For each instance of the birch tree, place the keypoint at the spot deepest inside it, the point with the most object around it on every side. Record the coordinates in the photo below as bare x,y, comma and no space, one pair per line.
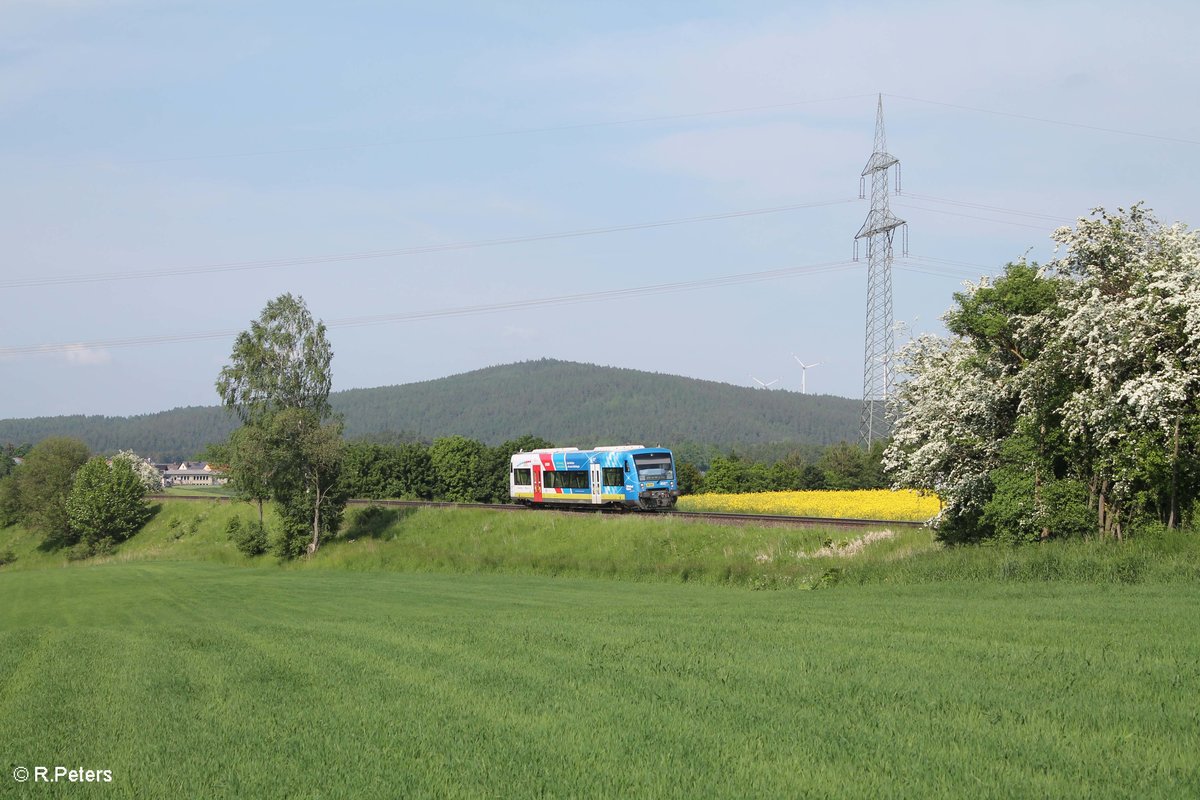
278,382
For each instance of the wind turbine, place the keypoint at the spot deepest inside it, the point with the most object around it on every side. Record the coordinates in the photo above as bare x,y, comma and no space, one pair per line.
804,368
767,385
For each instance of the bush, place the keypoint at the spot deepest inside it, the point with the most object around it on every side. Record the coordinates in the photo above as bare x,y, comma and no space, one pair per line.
79,551
7,557
291,543
250,539
87,549
106,502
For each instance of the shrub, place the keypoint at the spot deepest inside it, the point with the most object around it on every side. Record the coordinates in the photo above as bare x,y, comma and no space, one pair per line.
86,549
250,539
79,551
106,502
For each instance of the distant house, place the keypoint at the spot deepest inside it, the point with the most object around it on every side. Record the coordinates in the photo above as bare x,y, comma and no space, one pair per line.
193,473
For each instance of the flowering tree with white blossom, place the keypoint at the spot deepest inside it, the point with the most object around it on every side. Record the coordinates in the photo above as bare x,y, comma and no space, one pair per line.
1129,339
1067,398
151,478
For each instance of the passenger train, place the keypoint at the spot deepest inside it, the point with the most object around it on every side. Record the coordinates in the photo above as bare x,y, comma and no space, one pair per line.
627,476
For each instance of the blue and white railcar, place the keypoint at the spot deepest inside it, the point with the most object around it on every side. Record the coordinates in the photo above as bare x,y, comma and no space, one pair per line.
630,476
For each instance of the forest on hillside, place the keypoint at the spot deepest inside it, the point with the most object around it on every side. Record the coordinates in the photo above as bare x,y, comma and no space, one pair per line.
564,402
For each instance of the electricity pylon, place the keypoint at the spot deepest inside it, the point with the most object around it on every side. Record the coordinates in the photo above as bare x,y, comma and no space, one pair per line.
878,230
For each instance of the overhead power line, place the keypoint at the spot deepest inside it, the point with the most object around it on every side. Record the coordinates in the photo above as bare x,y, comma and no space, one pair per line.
983,269
937,273
1053,218
638,121
948,268
251,265
512,132
461,311
245,266
901,202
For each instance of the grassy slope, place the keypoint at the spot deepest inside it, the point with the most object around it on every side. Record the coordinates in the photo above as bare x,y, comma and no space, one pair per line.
207,681
641,548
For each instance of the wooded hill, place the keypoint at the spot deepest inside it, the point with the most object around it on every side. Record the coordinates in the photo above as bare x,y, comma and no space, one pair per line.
565,402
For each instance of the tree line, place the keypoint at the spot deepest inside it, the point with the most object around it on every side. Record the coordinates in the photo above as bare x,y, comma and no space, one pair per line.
460,469
840,466
84,503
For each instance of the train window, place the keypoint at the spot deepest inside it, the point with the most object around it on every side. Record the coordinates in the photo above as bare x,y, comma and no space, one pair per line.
522,477
654,465
565,479
614,476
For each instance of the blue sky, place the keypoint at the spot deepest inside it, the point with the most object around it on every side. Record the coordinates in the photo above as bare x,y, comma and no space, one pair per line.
148,148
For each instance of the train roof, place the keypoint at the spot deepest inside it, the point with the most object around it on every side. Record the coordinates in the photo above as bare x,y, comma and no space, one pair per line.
611,448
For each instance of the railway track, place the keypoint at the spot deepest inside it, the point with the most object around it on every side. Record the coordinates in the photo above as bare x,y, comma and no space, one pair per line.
698,516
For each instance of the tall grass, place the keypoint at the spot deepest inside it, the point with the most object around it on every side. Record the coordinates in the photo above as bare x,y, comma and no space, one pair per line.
546,543
1154,557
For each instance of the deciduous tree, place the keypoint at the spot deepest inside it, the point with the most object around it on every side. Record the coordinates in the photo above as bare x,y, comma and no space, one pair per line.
149,475
282,362
307,461
278,382
1067,393
1129,342
461,467
43,484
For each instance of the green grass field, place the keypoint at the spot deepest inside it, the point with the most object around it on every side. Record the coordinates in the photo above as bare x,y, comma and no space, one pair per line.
205,680
466,653
199,491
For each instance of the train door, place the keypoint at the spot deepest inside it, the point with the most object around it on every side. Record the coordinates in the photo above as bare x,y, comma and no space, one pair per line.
597,477
537,482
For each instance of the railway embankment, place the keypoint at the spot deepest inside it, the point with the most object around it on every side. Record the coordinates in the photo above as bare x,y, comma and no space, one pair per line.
750,553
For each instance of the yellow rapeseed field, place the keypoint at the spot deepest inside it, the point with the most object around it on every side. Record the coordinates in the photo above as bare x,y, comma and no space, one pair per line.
903,504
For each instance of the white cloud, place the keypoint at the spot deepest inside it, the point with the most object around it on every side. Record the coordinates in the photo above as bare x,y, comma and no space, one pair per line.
82,355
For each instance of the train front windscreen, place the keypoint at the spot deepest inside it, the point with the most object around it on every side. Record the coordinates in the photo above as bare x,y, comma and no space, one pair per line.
654,466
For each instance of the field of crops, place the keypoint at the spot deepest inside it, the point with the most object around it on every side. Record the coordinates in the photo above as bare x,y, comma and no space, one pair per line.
205,680
904,505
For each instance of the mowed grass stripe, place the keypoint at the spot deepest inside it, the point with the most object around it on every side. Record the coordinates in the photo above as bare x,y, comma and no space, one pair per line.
205,680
